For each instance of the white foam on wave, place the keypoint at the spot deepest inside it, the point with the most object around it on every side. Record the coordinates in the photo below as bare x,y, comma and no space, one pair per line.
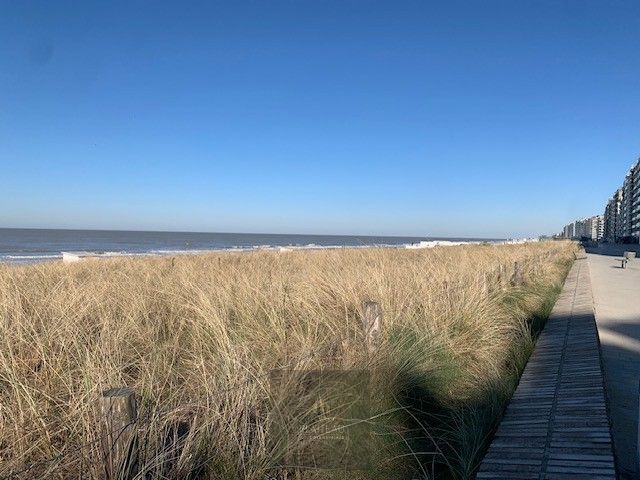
184,252
439,243
125,254
450,243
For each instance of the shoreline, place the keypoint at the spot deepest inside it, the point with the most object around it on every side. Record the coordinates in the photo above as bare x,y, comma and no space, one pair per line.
74,256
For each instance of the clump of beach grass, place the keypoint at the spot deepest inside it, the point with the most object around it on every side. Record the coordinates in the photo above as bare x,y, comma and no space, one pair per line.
201,339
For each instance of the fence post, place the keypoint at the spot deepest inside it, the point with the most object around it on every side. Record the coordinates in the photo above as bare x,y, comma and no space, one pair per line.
118,438
516,279
501,275
371,323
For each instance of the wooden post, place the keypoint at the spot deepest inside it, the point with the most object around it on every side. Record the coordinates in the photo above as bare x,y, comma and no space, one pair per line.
118,437
499,277
371,323
516,279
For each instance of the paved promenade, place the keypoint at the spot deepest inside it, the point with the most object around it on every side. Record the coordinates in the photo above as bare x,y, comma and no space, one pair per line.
556,426
616,295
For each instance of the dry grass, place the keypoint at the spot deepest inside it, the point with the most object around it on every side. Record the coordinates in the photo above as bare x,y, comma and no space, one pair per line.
196,337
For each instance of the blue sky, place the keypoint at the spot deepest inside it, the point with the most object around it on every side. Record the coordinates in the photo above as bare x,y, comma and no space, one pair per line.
478,118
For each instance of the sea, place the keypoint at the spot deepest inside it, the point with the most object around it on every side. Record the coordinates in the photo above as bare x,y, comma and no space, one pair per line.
41,245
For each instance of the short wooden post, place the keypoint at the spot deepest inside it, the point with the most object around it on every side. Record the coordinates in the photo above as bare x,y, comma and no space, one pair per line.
485,284
371,324
517,279
118,438
535,269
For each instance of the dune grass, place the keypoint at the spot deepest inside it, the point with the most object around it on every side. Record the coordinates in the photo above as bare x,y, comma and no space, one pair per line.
243,362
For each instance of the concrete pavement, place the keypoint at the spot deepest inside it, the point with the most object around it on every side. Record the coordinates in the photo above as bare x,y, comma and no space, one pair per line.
616,294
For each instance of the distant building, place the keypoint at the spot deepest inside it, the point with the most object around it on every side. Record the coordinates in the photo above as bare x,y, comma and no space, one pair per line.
635,201
612,217
626,211
582,229
629,229
597,227
621,220
591,228
569,231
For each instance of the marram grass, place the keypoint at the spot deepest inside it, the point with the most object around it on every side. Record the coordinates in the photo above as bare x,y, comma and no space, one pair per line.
253,366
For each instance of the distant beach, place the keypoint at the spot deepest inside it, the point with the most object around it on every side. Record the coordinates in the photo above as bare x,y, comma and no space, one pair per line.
18,246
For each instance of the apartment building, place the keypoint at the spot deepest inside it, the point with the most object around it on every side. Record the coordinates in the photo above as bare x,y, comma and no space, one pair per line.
612,221
622,213
591,228
597,227
621,220
635,201
569,231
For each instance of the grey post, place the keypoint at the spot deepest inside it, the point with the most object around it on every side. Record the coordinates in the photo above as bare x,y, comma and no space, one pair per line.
502,276
371,324
517,278
118,433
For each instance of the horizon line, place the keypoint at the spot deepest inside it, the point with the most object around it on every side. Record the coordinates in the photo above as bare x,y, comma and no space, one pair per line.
434,237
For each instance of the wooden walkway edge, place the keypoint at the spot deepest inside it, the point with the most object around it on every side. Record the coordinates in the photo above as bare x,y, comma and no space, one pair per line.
556,426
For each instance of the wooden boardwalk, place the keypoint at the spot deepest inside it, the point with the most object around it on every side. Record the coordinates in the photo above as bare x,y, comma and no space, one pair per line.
556,426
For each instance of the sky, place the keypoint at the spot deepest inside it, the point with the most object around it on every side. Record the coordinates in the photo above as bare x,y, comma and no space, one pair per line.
478,118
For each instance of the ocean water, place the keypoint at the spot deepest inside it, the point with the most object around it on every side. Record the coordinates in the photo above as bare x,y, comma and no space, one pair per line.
38,245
